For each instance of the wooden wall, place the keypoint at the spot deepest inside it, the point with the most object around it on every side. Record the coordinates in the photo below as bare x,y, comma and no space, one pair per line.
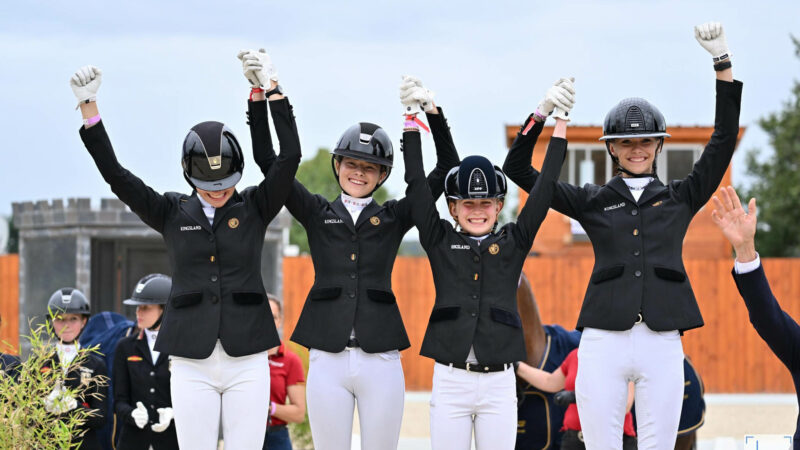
727,352
9,303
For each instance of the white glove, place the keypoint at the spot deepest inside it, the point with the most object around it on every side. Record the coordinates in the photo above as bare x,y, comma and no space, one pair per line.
59,402
712,37
165,416
85,83
140,415
561,95
414,97
559,113
257,67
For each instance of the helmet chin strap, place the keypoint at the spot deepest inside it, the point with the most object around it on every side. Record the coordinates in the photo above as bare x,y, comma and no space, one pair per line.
157,322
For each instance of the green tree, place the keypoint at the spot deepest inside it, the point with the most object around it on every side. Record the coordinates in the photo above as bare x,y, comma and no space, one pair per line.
777,185
316,175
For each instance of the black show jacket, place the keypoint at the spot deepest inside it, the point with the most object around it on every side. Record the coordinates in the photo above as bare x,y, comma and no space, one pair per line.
476,285
217,291
95,396
353,262
638,245
137,378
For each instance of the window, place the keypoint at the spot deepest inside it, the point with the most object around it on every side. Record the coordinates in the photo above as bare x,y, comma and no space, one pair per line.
592,164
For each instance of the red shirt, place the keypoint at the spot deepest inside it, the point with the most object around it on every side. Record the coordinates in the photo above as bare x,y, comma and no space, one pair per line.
285,369
571,420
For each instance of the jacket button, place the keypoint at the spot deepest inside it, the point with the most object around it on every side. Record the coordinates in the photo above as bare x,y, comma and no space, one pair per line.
475,277
354,238
152,390
637,274
635,231
353,276
352,295
475,296
152,374
214,299
152,406
476,258
212,259
636,252
635,212
213,278
352,257
473,314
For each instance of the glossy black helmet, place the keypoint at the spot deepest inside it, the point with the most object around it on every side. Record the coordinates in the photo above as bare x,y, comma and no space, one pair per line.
212,158
68,301
367,142
634,118
152,289
475,177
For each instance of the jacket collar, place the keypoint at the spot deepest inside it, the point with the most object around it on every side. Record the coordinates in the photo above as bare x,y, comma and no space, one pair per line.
654,188
194,209
370,210
221,213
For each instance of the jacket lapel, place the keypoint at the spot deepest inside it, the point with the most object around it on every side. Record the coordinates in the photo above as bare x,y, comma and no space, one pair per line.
192,207
473,244
651,190
617,184
368,212
338,207
220,213
141,346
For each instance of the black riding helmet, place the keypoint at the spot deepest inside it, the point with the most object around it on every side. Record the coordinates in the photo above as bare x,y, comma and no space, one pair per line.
212,158
634,118
152,289
366,142
68,301
475,177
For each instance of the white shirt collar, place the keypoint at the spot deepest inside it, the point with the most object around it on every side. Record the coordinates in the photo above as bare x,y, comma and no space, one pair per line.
637,184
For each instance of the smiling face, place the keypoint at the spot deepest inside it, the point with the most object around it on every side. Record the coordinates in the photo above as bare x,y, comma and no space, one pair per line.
358,178
217,199
147,315
635,155
68,326
476,216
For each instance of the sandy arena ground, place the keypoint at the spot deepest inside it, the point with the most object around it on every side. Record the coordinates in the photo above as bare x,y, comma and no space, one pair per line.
728,418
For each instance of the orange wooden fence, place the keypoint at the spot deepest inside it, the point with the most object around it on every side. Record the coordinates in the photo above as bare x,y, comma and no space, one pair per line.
727,352
9,302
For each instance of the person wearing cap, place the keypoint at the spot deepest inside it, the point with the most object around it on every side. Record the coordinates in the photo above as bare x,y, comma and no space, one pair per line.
474,331
639,300
141,373
216,326
69,311
350,320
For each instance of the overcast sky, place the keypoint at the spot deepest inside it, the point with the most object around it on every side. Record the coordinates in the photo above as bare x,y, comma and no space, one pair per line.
169,65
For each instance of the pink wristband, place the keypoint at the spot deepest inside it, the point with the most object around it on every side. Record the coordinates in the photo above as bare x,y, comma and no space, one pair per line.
91,120
272,409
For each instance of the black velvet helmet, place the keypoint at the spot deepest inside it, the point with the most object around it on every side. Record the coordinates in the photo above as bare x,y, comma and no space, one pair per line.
212,158
366,142
475,177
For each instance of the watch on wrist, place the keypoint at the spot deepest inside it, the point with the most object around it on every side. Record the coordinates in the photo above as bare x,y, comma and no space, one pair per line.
278,90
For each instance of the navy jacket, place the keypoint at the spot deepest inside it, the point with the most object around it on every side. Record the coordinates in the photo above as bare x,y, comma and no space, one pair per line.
476,284
778,329
638,245
217,291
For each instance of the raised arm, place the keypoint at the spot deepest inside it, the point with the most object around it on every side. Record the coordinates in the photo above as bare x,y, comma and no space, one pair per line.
423,213
517,166
259,71
708,171
538,203
149,205
775,326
